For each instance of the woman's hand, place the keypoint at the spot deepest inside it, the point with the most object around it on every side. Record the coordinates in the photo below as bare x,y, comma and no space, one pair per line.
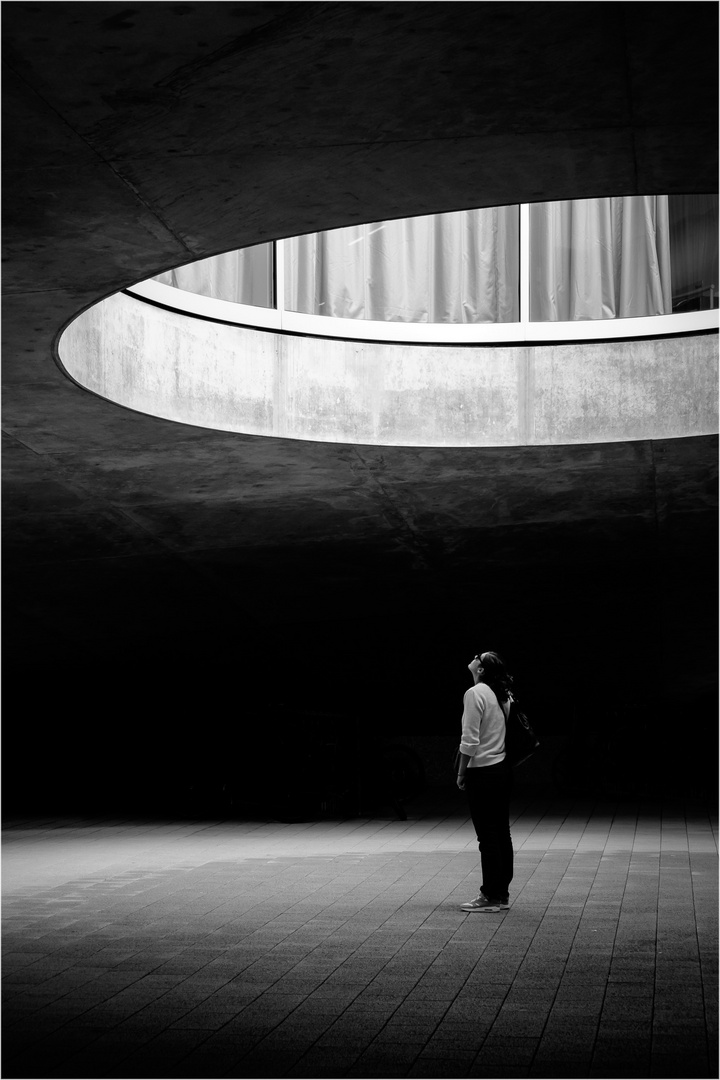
461,781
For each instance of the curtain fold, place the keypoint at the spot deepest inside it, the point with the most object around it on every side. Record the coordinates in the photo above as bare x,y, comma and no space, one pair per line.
242,277
441,268
600,259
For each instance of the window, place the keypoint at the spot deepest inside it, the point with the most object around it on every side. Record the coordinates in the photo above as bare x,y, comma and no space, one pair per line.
495,274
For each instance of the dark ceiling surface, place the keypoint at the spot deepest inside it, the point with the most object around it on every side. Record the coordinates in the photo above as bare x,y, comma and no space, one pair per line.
158,575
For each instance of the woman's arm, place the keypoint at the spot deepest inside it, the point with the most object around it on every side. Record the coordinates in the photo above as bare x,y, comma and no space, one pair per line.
462,769
473,709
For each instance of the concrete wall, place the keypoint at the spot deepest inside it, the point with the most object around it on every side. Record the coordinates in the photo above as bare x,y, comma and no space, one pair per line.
262,383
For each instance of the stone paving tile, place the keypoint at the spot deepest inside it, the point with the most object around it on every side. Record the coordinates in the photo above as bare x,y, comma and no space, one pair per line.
446,1036
457,1066
390,1053
508,1050
338,949
323,1058
495,1071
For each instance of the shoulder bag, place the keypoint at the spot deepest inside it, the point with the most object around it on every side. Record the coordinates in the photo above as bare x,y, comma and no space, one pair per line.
521,742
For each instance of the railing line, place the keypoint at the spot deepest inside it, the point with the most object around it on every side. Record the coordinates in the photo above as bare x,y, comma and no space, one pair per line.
281,320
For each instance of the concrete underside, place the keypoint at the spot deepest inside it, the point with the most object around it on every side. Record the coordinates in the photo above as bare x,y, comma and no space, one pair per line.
162,580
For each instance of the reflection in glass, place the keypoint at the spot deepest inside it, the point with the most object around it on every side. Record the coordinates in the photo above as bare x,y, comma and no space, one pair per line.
443,268
694,250
600,259
242,277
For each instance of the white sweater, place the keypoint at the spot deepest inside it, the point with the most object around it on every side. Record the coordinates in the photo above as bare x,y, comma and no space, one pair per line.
483,727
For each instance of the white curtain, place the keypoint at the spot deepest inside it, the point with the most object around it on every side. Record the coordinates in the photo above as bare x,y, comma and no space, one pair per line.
444,268
589,259
600,259
243,277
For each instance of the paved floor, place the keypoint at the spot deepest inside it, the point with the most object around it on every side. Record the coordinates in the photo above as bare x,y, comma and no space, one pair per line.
337,949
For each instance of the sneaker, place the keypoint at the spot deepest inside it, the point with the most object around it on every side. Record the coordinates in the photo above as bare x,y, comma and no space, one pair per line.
481,903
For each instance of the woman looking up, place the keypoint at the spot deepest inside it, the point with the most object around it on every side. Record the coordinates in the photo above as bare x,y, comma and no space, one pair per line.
486,777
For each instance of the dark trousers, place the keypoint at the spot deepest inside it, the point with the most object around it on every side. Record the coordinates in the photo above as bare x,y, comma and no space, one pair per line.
488,791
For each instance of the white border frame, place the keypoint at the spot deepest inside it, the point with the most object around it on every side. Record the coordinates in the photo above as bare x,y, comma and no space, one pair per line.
294,322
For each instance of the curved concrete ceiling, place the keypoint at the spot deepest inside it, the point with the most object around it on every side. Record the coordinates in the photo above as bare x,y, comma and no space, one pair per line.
137,138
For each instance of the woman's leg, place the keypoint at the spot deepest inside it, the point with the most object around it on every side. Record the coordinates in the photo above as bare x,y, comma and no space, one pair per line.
488,793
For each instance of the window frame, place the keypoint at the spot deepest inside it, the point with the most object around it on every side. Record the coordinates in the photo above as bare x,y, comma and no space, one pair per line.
282,320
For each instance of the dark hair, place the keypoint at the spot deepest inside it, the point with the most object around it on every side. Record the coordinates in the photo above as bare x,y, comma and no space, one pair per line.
496,675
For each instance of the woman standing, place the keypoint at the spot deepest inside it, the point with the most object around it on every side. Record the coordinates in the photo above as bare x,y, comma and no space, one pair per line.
487,777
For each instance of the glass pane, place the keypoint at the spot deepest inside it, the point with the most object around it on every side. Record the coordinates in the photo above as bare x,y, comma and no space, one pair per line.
600,259
242,277
444,268
694,252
